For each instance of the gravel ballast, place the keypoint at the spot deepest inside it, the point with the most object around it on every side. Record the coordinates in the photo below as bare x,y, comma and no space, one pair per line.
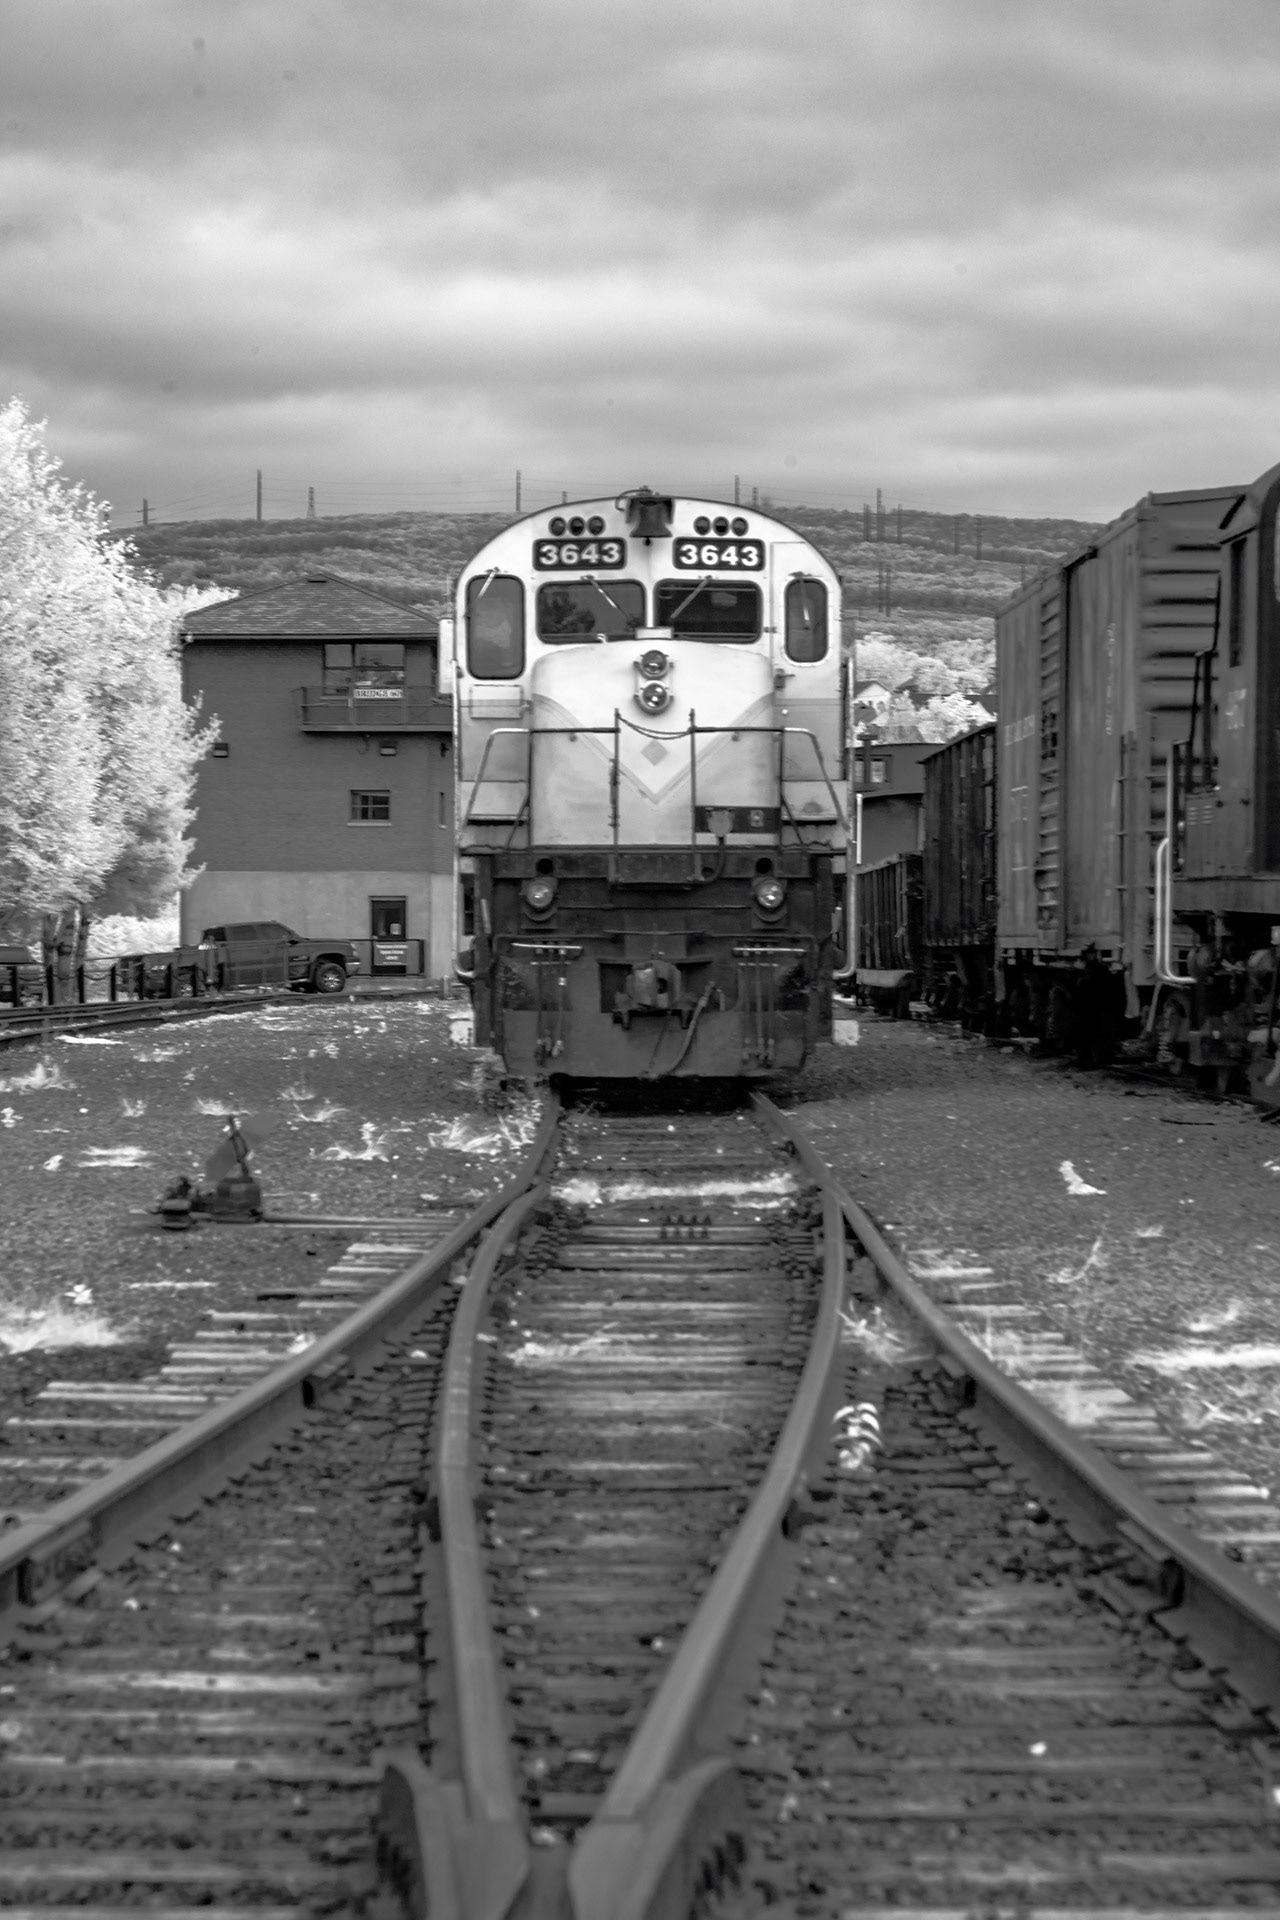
1167,1276
377,1111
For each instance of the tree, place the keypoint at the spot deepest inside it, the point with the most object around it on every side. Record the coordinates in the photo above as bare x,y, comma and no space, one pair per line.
97,751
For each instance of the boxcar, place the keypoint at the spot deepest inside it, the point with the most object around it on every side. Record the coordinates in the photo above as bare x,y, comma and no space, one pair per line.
1097,664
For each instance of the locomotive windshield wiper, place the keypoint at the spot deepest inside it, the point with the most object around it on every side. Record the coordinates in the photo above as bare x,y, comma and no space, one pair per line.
589,580
704,582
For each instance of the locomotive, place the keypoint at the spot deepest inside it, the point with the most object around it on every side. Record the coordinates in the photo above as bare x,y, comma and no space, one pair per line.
1120,825
650,712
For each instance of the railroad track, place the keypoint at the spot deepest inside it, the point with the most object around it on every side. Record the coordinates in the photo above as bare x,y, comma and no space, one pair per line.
73,1432
619,1637
20,1025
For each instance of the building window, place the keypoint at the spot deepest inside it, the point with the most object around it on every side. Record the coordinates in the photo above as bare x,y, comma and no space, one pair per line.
879,770
362,663
370,806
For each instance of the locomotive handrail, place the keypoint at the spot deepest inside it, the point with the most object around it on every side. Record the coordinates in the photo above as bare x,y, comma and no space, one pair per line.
495,733
812,738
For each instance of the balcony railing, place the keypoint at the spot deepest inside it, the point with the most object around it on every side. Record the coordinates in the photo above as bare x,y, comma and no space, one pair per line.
373,710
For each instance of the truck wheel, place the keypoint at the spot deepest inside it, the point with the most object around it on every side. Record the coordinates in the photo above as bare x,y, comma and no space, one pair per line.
329,977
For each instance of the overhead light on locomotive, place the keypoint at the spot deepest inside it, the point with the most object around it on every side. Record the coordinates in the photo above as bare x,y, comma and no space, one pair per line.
769,892
557,526
539,894
720,524
702,524
653,664
595,524
653,696
577,525
739,526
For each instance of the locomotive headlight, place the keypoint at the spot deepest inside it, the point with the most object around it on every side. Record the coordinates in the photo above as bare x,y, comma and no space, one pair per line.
653,696
539,895
653,664
769,893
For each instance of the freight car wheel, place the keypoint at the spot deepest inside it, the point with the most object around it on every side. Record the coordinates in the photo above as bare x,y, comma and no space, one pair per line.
329,977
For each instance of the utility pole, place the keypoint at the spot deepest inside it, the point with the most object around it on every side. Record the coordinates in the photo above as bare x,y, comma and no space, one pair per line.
866,521
564,496
146,513
899,523
259,513
879,515
517,489
755,496
311,503
737,492
977,534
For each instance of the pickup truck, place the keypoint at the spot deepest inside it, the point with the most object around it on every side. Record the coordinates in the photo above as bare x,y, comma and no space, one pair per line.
258,953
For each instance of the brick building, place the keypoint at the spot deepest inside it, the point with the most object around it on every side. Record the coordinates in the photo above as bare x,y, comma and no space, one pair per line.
327,802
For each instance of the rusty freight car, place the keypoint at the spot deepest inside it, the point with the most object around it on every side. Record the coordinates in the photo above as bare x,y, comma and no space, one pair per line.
1097,668
959,926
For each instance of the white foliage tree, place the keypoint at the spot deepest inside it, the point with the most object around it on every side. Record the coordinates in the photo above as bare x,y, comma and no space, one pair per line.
943,717
97,751
879,657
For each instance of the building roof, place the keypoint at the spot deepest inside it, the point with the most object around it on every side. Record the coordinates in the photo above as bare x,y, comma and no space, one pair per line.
319,607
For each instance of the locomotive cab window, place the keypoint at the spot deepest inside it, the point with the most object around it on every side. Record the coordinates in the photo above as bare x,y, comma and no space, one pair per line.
362,663
583,610
806,620
712,610
495,627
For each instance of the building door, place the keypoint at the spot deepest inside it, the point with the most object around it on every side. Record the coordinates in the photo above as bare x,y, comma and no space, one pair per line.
390,942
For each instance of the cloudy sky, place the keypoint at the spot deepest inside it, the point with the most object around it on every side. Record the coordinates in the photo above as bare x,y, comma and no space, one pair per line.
1012,255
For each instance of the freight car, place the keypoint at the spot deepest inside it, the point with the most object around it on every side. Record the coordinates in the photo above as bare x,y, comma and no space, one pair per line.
1135,891
1216,886
926,921
1098,663
652,798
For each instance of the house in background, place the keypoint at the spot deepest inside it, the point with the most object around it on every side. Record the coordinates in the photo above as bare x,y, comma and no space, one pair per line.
870,693
889,784
327,800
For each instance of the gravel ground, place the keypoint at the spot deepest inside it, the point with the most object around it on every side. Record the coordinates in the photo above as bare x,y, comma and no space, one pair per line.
378,1112
1168,1276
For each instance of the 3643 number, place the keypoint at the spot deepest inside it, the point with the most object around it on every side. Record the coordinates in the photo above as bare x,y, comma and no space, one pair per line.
554,556
745,555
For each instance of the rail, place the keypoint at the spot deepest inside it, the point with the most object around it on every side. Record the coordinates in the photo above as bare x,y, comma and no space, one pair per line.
102,1522
676,1803
1232,1621
675,1809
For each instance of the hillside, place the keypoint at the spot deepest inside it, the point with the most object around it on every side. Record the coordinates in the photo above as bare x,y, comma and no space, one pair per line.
932,593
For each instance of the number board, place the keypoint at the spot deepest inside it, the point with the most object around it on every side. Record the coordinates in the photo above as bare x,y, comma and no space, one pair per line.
747,556
557,556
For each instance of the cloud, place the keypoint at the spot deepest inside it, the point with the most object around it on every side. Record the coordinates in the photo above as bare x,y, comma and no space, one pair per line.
998,253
